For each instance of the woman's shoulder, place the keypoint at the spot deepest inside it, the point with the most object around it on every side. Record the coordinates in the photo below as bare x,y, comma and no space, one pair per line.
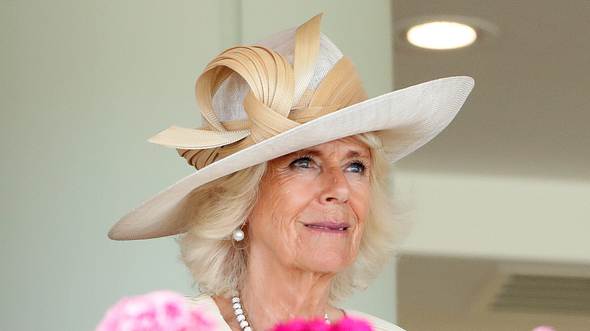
200,300
207,305
377,323
204,302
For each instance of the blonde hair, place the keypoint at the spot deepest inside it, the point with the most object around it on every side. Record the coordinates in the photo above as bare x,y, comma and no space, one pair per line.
218,266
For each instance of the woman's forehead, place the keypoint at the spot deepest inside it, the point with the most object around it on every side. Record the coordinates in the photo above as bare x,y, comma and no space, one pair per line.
347,147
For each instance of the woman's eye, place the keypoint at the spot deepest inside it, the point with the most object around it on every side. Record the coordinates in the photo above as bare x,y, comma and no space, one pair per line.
302,162
357,167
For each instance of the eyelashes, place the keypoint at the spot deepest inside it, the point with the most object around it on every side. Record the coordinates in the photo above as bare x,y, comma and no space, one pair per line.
304,161
360,164
307,161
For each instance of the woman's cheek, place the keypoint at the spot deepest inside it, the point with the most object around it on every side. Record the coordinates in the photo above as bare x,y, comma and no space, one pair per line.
361,202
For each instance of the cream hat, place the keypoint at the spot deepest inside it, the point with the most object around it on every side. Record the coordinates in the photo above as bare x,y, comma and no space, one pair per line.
291,91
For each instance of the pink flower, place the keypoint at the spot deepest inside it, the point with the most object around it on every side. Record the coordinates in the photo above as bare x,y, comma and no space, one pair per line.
300,324
155,311
345,324
544,328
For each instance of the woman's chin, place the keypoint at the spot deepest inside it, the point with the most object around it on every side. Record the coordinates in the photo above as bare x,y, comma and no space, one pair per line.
326,261
331,267
325,252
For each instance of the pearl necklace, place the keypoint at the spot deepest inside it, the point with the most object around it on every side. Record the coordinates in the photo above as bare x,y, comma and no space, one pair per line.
241,317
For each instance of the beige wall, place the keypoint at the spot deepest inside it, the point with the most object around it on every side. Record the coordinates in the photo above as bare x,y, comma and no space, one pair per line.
509,222
497,217
84,84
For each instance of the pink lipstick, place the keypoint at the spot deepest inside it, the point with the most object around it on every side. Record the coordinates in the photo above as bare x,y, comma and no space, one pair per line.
331,227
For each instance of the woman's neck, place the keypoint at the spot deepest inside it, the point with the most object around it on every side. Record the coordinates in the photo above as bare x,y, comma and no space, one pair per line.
272,292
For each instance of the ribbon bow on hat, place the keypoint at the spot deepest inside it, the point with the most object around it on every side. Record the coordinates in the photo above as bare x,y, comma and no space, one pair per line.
278,99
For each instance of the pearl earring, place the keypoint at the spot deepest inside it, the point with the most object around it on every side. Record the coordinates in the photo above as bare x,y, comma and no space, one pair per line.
238,234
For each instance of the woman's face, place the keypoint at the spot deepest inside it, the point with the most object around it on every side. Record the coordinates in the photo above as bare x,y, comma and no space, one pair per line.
312,206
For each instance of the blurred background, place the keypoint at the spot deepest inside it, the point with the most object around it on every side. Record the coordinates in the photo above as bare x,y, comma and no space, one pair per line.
497,205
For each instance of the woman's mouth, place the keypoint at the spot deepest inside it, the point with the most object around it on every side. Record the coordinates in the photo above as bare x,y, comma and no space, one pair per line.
330,227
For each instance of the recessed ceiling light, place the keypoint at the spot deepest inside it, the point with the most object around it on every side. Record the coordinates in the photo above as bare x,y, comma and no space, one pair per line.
441,35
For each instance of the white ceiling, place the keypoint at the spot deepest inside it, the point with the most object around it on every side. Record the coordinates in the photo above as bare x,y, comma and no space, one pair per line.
529,114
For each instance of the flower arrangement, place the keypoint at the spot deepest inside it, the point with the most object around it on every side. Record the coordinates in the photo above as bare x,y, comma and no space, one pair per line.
345,324
155,311
169,311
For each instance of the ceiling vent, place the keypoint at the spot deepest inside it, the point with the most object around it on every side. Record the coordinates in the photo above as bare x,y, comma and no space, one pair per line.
541,292
544,294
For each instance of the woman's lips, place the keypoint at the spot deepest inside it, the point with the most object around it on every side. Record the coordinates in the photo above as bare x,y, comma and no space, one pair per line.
331,227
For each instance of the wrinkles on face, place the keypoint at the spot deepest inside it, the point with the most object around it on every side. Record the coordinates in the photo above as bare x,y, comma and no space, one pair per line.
305,196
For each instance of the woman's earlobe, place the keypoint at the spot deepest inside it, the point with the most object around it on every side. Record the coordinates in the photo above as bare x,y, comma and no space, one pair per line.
238,234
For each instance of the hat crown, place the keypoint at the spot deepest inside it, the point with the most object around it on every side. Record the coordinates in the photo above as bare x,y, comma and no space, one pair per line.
228,100
248,94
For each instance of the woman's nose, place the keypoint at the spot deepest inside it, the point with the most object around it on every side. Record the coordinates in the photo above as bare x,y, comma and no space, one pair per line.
335,187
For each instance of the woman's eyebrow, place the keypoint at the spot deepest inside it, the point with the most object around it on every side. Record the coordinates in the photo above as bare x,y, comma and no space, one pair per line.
352,154
312,152
318,153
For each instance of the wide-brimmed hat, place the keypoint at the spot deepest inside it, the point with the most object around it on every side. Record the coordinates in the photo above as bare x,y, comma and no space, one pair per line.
291,91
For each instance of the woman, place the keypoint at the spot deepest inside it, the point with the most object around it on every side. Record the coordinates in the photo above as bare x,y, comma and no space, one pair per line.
290,208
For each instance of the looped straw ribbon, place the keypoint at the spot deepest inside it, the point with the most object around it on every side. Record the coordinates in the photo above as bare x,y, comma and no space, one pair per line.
275,86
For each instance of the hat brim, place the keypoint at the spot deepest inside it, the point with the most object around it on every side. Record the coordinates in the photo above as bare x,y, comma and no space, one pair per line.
406,119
